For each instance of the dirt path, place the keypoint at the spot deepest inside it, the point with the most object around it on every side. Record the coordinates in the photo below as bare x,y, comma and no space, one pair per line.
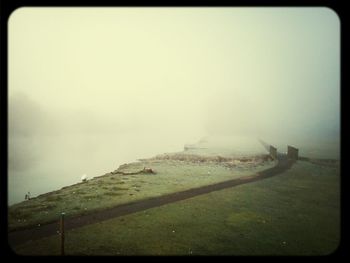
18,237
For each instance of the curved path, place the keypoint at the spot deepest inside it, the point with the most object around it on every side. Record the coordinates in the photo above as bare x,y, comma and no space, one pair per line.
21,236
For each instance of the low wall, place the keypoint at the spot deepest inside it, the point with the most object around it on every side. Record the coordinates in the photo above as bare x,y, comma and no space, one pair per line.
273,152
292,153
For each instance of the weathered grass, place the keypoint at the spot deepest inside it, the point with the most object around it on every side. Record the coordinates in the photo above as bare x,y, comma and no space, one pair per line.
102,192
295,213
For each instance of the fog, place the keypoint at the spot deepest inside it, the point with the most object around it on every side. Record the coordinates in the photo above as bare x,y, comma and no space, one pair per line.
92,88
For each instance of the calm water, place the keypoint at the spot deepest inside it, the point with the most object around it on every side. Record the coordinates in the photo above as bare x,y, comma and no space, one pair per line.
43,164
47,163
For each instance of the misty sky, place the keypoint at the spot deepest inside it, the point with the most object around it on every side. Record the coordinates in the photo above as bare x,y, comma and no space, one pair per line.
193,71
92,88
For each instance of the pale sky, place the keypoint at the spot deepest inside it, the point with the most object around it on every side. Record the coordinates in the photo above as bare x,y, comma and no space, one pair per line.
200,70
93,88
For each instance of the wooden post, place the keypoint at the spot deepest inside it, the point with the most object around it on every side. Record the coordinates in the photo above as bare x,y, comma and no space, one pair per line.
62,233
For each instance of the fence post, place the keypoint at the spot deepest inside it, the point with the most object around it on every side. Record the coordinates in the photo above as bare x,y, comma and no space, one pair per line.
62,233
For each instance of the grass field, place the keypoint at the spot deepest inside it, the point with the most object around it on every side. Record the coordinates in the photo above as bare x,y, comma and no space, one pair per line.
294,213
174,173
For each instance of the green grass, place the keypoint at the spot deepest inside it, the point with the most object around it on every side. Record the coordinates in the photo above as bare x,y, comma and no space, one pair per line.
114,189
295,213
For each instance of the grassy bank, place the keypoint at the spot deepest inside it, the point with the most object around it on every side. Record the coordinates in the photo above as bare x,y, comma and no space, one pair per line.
174,172
295,213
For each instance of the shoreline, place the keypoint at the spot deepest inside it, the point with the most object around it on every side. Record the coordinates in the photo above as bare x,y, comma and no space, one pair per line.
157,157
21,235
114,188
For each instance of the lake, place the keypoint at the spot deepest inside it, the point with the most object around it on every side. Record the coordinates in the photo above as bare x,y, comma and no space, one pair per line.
41,164
47,163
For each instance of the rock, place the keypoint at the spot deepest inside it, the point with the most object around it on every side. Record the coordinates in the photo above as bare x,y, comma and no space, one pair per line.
84,177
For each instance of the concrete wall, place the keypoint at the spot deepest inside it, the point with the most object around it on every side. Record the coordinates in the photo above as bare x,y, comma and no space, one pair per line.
273,152
292,153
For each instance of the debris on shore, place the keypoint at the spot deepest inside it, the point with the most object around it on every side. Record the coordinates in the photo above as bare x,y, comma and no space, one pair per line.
143,171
